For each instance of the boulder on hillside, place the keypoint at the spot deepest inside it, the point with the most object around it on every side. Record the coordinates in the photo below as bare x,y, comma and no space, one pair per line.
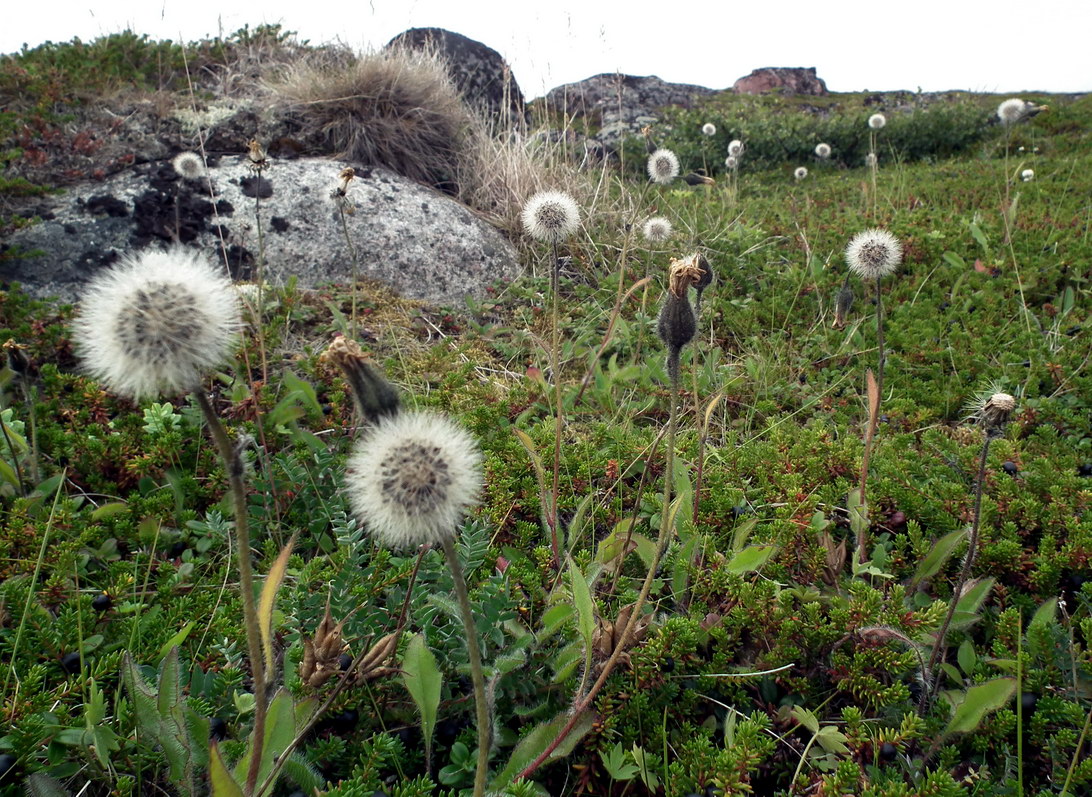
481,75
789,80
621,104
420,242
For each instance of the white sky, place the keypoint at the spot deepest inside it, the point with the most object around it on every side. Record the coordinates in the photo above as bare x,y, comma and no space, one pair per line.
980,45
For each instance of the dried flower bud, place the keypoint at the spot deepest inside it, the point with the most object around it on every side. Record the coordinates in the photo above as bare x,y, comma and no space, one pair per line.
375,396
677,325
996,411
608,635
17,356
372,666
256,156
842,305
321,653
685,272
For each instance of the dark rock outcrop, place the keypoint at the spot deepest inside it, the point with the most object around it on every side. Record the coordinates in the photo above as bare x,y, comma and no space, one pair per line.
621,105
481,75
789,80
412,238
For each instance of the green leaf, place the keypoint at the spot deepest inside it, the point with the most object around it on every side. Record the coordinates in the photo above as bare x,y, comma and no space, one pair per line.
554,618
304,390
616,763
966,657
806,718
1045,614
974,594
169,690
585,610
109,510
832,740
940,553
955,260
177,639
977,702
280,730
751,559
576,525
743,533
532,745
423,681
220,779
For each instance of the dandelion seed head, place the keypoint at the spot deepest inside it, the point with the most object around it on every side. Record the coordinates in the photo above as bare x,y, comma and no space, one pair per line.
876,121
870,159
550,216
1011,111
156,323
991,408
188,166
735,147
412,478
663,166
800,173
709,129
1027,175
872,254
822,150
732,162
656,229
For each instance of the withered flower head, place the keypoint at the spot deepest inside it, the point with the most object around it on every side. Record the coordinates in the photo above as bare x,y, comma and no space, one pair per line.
375,397
684,272
321,652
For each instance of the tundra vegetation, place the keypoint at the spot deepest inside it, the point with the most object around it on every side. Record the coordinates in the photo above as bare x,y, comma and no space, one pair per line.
696,507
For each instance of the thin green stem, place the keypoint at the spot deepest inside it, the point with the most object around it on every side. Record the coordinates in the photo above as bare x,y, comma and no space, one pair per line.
555,367
233,465
873,423
1076,756
964,574
476,674
661,543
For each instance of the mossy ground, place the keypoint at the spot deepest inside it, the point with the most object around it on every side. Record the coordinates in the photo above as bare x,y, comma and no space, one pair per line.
130,501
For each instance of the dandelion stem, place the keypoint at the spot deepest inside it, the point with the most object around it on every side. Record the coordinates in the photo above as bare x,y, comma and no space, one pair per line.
353,260
233,464
555,367
475,656
873,423
964,574
666,529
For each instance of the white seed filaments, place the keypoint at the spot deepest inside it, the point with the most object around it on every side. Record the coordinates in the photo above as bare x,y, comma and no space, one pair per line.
800,173
188,166
412,478
157,323
656,230
877,121
663,166
550,216
873,254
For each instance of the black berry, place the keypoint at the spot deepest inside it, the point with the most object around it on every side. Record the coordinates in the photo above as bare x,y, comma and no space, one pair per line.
217,728
102,603
7,764
1028,700
70,663
1010,468
1085,469
344,661
888,752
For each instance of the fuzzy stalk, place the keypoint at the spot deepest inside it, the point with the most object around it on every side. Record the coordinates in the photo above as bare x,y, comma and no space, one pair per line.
477,676
233,464
874,168
555,367
355,266
585,702
873,421
964,574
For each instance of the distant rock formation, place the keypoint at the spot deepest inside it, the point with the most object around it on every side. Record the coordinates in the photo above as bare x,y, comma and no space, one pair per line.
479,72
421,243
621,104
790,80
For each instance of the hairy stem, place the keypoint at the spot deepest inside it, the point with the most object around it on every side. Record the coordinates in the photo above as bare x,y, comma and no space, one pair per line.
661,543
555,367
476,675
964,574
233,464
873,423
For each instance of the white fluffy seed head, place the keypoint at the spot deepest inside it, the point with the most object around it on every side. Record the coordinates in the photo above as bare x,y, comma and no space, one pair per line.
708,129
800,173
876,121
656,229
663,166
732,162
1027,175
822,150
156,323
188,165
412,478
870,159
873,254
735,147
1011,111
551,216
